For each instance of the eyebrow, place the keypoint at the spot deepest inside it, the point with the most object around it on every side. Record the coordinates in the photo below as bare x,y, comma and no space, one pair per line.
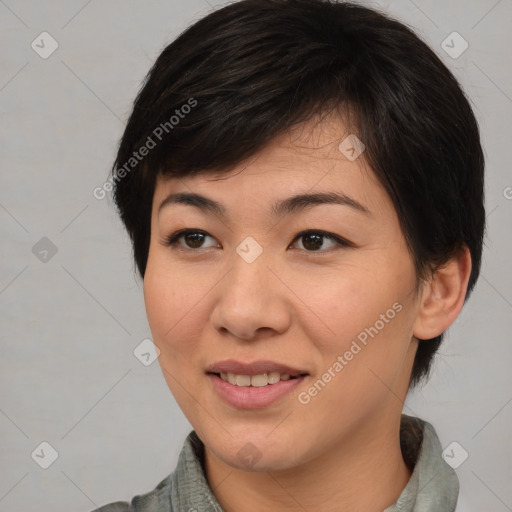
284,207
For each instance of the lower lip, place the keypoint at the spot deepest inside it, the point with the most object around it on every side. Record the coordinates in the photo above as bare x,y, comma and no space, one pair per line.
251,397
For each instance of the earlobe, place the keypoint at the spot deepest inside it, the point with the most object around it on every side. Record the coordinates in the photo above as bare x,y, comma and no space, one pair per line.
442,297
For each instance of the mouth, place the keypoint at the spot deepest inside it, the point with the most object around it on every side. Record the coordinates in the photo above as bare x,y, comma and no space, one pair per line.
253,385
258,381
256,373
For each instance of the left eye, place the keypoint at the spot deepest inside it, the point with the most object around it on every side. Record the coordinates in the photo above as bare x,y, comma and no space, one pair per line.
314,240
193,238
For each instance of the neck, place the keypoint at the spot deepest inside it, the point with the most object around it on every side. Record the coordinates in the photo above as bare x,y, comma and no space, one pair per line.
363,472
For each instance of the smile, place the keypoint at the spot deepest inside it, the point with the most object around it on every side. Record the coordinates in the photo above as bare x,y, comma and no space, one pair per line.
253,396
263,379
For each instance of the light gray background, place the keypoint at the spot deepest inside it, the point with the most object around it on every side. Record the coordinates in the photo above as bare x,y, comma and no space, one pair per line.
70,324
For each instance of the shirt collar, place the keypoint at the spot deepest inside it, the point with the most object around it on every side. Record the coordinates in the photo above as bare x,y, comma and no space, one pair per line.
433,485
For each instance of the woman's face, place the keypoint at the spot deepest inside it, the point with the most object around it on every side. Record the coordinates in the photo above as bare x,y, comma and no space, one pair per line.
336,305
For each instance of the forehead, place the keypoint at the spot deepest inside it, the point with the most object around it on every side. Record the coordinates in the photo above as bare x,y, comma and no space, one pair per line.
313,157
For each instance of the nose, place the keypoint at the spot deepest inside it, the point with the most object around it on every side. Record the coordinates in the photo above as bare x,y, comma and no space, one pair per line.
251,302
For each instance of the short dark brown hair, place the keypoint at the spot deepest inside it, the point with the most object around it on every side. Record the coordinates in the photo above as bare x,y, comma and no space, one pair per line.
246,73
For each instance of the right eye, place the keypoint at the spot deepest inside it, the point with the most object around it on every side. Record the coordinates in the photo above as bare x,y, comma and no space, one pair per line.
193,238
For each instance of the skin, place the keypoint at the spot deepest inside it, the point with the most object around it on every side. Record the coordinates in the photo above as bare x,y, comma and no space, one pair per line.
303,308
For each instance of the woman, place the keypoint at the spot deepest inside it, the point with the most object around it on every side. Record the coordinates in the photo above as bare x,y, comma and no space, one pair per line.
302,181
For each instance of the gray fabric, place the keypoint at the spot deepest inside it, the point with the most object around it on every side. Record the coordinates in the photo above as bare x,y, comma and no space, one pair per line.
433,486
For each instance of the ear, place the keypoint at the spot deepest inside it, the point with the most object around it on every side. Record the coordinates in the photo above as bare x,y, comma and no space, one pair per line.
442,297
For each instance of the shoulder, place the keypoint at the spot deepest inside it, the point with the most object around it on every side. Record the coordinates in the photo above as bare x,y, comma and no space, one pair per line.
157,500
118,506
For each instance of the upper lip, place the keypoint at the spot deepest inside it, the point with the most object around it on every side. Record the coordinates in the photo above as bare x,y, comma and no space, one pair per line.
253,368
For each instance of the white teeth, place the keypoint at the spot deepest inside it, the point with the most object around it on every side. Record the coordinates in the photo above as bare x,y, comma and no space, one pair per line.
243,380
259,381
273,377
255,380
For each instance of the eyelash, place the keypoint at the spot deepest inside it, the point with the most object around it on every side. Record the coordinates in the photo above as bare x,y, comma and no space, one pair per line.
172,240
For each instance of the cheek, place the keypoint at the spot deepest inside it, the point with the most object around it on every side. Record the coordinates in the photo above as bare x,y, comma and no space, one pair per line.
161,302
364,316
173,307
343,302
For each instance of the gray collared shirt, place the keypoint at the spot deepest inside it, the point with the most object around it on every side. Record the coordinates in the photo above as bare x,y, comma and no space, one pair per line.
433,486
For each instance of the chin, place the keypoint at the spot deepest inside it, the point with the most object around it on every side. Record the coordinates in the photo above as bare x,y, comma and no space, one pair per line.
255,452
